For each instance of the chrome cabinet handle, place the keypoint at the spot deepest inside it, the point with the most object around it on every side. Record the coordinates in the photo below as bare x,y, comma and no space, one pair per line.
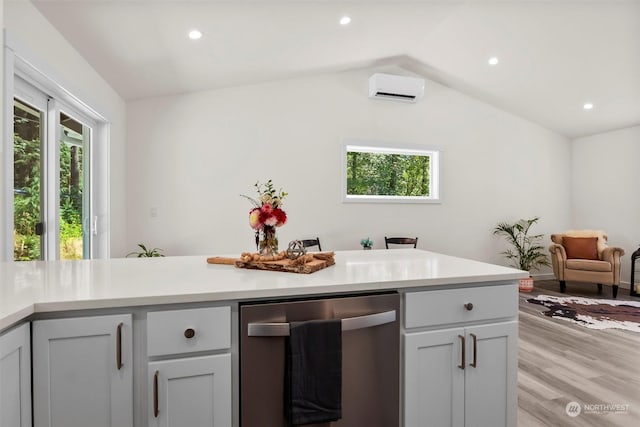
474,364
155,394
348,324
461,365
119,363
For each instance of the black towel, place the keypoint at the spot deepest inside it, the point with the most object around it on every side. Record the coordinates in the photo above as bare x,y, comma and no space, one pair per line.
313,374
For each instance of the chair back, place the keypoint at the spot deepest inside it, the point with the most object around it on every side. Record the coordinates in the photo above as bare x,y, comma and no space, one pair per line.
401,241
601,235
306,243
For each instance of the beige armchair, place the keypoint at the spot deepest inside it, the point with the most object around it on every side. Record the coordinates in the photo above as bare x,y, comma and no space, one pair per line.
584,256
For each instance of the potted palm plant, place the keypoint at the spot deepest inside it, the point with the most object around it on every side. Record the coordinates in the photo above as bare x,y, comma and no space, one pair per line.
146,252
527,254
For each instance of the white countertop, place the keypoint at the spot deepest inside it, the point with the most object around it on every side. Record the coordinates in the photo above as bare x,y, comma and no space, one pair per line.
37,286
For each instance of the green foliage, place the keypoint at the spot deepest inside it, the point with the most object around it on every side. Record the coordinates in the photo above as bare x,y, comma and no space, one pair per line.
70,230
26,201
366,243
26,208
26,154
146,253
70,240
26,247
71,163
527,254
71,183
387,174
267,194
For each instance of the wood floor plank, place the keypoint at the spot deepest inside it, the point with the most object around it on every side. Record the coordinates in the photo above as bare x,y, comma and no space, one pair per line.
561,362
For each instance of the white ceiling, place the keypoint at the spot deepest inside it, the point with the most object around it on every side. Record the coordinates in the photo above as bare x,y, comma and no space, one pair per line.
554,55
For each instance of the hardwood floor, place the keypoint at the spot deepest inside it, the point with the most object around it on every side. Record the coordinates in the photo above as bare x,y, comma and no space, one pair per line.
561,362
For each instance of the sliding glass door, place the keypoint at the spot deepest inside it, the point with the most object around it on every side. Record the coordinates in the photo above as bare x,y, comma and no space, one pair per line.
52,191
75,236
28,220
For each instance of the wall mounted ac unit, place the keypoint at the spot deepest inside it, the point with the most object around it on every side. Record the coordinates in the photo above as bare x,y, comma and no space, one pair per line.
398,88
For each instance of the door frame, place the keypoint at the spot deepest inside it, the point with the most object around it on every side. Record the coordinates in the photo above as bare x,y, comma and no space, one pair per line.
33,97
98,223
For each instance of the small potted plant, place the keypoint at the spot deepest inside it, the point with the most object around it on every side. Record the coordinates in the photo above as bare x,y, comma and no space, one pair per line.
366,243
146,253
527,253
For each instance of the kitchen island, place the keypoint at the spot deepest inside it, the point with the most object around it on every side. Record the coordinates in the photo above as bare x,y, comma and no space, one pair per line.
135,303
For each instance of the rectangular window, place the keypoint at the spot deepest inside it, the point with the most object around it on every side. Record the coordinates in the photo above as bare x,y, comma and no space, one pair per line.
384,174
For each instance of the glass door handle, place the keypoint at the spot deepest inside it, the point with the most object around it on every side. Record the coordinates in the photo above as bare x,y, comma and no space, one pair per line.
348,324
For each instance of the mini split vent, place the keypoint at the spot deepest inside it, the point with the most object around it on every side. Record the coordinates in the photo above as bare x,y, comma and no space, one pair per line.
397,88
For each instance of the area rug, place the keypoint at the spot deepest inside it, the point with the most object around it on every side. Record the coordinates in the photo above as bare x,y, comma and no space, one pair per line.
592,313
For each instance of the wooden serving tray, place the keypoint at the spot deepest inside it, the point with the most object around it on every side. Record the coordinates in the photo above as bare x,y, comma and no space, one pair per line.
317,262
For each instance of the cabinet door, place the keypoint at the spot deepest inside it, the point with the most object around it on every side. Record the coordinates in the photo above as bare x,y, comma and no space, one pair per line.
191,392
82,372
491,383
15,378
434,382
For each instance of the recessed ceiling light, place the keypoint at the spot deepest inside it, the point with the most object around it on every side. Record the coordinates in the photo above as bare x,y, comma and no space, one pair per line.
345,20
493,60
195,34
588,106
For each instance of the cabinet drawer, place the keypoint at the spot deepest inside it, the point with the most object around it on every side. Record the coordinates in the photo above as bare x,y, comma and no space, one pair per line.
188,331
431,308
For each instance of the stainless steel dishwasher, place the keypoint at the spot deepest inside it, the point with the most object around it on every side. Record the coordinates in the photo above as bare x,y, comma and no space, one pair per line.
370,358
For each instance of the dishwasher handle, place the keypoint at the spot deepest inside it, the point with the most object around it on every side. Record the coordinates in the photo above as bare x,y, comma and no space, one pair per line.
348,324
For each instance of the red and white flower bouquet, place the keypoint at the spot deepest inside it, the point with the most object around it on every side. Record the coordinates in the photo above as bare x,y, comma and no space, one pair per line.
266,215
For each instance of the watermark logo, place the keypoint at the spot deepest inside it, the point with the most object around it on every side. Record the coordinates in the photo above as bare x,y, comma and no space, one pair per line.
605,408
573,409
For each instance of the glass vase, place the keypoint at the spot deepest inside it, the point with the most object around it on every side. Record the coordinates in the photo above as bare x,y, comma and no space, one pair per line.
268,245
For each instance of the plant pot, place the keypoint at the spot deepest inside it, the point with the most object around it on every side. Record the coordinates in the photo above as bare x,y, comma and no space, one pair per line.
525,285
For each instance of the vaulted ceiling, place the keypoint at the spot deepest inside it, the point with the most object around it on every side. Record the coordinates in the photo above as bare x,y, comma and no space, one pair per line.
554,56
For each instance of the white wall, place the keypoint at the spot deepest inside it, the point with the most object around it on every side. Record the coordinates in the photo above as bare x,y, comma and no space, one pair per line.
30,36
190,156
606,188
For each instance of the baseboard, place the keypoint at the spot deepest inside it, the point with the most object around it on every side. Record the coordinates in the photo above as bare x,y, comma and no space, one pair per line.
550,276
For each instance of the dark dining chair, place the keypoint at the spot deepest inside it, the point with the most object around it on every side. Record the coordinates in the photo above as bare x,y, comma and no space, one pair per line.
401,241
312,242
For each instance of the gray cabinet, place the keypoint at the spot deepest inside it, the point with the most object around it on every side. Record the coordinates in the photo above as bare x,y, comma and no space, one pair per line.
449,387
82,372
491,375
186,390
15,377
462,373
434,388
190,392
